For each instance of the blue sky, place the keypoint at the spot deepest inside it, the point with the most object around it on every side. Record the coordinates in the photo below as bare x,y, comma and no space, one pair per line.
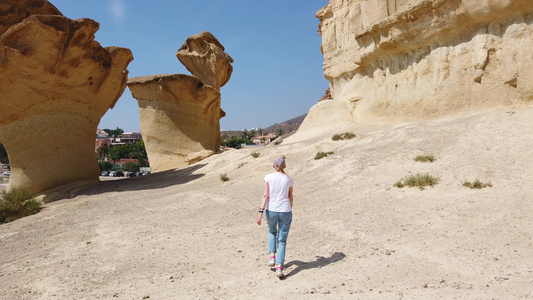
277,73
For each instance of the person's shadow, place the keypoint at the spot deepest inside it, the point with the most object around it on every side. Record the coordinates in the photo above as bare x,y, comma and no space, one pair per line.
318,263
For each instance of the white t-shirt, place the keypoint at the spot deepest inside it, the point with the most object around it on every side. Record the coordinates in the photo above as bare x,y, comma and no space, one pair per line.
279,184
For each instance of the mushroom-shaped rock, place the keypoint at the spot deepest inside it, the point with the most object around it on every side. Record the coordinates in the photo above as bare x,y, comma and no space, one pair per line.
57,83
179,119
14,11
204,56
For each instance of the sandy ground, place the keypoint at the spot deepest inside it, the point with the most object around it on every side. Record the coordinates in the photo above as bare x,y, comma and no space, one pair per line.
184,234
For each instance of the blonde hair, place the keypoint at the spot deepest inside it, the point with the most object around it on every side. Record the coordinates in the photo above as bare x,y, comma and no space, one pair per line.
279,169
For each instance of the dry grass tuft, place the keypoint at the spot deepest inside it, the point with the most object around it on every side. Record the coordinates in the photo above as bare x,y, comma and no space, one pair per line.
476,184
320,155
419,180
223,177
344,136
425,158
17,204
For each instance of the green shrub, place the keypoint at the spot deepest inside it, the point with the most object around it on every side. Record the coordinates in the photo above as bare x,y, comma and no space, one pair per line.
344,136
337,137
418,180
255,154
476,184
223,177
320,155
425,158
106,166
348,135
131,167
17,204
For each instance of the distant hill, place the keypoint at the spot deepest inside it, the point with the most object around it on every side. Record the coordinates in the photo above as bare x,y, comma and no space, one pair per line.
288,126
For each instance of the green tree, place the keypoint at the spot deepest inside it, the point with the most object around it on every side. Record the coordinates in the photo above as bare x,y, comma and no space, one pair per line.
114,132
115,154
133,151
234,142
280,132
131,167
126,151
142,162
103,151
138,150
245,134
248,135
106,166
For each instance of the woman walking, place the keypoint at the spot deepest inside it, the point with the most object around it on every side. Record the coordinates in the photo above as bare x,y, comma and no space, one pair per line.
277,208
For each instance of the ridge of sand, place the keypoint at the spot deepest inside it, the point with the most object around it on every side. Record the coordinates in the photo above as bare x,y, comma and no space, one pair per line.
183,234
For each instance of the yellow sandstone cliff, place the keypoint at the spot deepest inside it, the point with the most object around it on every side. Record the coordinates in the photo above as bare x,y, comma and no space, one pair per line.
399,60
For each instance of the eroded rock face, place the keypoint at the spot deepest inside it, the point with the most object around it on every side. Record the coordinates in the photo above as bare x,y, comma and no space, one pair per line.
204,56
57,82
180,114
179,119
14,11
419,59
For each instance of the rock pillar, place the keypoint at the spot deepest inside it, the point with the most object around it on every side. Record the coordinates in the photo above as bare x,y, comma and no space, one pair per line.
56,84
179,113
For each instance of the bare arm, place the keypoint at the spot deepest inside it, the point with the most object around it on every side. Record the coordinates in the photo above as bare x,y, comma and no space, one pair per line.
291,196
266,197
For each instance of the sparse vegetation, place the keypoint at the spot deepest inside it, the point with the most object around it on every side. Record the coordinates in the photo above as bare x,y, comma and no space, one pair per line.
223,177
241,165
255,154
320,155
425,158
17,204
476,184
344,136
419,180
235,142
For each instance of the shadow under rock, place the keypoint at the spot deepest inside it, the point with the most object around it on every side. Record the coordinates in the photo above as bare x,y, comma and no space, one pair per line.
318,263
146,182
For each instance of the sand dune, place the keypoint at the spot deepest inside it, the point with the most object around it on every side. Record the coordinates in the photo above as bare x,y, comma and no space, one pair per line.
184,234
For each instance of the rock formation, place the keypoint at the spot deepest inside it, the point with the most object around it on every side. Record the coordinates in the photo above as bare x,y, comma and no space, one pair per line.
14,11
180,114
204,56
400,60
56,84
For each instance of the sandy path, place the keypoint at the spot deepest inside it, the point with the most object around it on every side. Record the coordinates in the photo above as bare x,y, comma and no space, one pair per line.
186,235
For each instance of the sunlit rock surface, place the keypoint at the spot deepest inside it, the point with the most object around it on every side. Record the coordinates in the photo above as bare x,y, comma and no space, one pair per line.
14,11
399,60
180,114
204,56
56,84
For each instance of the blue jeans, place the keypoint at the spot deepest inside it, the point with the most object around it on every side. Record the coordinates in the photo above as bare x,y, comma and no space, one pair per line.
275,221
